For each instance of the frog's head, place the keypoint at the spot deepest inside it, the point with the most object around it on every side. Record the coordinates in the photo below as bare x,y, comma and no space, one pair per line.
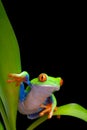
47,83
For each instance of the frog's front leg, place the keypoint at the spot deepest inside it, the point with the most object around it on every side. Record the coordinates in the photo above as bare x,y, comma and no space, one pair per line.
19,78
49,108
23,93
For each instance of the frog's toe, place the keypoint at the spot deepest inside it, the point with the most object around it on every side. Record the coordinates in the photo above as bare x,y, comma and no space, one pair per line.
50,114
15,78
58,116
10,80
47,109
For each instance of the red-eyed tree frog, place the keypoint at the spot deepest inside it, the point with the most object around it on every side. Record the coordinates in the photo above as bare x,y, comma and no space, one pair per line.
37,98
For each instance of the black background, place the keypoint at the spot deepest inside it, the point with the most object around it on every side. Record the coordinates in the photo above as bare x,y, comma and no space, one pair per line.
51,38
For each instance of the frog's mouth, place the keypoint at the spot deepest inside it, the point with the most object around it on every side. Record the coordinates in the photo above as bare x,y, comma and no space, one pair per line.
52,88
45,89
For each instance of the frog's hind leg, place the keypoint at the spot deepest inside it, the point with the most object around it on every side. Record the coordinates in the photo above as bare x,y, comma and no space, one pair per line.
35,115
49,106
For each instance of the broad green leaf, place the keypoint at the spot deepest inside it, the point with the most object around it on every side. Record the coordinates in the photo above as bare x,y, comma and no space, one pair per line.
9,63
71,109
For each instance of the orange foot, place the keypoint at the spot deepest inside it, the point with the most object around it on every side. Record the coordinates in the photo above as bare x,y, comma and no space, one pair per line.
48,109
16,78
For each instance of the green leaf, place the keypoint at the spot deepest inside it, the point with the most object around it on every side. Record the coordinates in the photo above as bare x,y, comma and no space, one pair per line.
9,63
4,115
74,110
71,109
1,126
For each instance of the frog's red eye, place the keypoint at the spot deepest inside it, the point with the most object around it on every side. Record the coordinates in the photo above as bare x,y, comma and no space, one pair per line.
42,77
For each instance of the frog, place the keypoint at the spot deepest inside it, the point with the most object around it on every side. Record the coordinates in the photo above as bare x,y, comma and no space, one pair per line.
37,98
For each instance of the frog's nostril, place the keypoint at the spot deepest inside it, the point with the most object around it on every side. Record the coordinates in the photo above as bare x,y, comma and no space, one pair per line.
61,82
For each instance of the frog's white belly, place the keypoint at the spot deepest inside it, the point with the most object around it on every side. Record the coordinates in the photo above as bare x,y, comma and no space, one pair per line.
34,99
30,105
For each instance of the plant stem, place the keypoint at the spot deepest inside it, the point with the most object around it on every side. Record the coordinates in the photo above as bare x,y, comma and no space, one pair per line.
37,123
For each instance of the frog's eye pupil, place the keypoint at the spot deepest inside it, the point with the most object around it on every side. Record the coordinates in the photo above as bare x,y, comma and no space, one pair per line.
42,77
